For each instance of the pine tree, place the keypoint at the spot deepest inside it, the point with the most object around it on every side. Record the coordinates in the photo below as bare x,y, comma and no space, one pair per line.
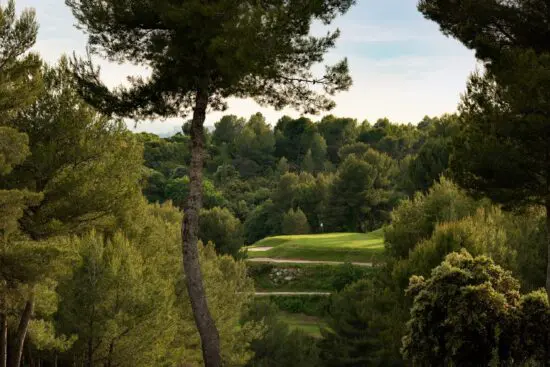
295,222
282,166
503,148
200,54
308,165
19,84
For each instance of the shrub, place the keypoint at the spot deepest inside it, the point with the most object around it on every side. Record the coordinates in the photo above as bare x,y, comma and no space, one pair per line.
468,307
346,274
223,229
414,220
309,305
365,326
515,242
534,332
295,222
263,221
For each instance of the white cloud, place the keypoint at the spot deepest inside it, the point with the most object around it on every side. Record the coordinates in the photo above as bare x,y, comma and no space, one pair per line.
403,88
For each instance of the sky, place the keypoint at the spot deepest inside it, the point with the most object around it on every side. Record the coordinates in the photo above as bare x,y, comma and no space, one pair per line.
402,67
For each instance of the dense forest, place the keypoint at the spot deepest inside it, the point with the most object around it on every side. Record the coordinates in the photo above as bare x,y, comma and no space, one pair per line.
97,220
336,171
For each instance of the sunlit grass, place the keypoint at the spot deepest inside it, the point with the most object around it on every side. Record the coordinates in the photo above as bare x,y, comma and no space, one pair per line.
356,247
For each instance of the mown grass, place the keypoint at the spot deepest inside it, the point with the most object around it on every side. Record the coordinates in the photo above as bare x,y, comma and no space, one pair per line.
346,247
309,324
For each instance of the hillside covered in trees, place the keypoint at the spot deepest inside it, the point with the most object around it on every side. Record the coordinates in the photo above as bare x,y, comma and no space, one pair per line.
128,249
339,172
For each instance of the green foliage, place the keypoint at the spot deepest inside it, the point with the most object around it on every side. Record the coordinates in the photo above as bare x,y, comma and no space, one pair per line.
245,165
294,138
263,221
491,27
124,286
472,307
177,190
432,158
415,219
278,346
165,155
14,148
295,222
337,132
265,53
225,231
306,277
282,166
311,305
345,275
396,140
361,193
502,149
227,130
20,79
113,302
86,165
494,117
365,325
514,242
255,146
534,332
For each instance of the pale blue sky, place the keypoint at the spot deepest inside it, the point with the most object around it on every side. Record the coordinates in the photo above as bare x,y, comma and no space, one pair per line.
402,67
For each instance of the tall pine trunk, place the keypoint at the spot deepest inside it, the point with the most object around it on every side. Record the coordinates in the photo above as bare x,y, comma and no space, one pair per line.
548,245
210,338
17,351
3,340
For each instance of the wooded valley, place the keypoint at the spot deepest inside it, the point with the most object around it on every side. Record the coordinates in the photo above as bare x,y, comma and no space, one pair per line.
305,241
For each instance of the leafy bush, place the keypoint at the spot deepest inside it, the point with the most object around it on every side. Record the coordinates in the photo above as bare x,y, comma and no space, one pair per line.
414,220
223,229
306,277
472,307
256,270
365,326
516,242
263,221
295,222
534,332
309,305
346,274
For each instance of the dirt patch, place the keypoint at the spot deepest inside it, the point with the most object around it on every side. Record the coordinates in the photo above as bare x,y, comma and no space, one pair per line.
259,249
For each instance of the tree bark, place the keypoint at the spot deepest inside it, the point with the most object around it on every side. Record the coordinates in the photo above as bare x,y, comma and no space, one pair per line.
548,244
3,340
210,338
17,352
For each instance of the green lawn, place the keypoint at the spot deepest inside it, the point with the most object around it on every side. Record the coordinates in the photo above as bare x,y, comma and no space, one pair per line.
309,324
357,247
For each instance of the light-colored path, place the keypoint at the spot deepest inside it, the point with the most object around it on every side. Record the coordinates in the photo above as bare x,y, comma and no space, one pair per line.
298,261
260,294
259,249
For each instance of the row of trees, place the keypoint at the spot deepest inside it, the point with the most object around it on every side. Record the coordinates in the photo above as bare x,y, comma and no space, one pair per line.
253,171
444,297
411,312
89,271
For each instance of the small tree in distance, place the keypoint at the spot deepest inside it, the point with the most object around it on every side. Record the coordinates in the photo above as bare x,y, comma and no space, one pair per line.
295,222
201,53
